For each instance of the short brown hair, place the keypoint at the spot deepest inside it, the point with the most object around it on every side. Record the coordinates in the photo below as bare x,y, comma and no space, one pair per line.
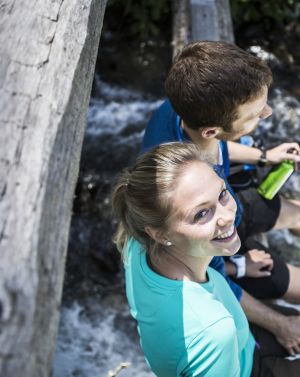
209,80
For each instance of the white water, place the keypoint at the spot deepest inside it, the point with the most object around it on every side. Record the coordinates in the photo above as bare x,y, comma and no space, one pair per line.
118,108
93,340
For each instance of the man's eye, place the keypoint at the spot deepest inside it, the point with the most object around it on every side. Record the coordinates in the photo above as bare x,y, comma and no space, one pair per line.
223,194
201,214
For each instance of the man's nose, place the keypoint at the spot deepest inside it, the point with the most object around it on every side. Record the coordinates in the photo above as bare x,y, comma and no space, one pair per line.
267,111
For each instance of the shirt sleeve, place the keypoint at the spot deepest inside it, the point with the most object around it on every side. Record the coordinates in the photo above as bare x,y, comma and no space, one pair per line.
225,155
214,352
160,128
217,263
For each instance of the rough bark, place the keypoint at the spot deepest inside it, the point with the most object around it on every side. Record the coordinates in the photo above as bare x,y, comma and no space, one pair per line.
211,20
48,51
195,20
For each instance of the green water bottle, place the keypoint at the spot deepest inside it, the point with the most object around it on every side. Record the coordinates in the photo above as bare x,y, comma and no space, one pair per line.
276,179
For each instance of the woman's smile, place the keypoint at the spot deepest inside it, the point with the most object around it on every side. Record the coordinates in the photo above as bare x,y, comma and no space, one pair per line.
226,236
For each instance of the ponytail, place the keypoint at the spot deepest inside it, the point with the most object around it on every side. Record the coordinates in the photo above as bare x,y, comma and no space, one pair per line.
120,208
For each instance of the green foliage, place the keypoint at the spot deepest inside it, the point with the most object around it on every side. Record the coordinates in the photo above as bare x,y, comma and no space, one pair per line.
267,12
142,18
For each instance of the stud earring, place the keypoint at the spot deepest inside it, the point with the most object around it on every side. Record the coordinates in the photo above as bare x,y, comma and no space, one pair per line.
168,243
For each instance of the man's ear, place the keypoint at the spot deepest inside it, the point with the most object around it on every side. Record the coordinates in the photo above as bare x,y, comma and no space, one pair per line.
210,132
155,234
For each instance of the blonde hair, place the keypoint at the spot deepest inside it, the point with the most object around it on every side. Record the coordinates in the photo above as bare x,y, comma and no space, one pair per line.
141,197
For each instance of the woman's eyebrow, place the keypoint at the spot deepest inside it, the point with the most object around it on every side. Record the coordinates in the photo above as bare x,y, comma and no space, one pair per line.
194,210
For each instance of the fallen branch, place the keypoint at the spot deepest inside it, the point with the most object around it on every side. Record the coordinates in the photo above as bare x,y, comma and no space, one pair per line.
118,369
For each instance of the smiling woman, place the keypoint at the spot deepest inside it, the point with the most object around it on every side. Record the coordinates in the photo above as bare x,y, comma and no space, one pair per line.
176,218
175,215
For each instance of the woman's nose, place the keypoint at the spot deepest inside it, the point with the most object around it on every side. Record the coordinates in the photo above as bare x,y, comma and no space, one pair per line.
222,221
226,216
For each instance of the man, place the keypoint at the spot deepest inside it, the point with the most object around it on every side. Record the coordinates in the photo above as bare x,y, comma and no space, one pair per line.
218,92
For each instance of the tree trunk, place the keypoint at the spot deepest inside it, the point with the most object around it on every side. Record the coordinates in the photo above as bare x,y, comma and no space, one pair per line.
48,51
211,20
180,25
201,20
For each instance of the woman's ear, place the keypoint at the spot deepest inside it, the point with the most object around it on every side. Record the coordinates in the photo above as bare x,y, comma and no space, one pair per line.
210,132
156,234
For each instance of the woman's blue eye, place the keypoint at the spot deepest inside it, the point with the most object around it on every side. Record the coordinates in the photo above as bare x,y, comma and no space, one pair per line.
204,212
223,194
199,215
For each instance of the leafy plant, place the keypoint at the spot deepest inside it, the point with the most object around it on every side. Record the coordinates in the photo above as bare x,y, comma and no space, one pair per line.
143,18
266,12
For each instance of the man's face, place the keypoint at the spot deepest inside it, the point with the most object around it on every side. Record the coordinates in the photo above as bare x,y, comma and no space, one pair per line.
249,114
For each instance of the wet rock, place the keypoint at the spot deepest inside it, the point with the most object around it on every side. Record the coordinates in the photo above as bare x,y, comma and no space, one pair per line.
286,245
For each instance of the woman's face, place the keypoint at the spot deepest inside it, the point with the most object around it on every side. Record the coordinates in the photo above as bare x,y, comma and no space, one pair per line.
203,214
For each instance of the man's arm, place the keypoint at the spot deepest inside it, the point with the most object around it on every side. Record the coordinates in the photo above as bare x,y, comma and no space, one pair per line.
286,329
249,155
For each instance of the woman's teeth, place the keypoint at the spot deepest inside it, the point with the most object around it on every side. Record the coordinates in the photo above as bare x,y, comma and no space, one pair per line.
226,234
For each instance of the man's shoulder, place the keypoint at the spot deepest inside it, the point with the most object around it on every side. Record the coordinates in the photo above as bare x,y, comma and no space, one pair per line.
165,109
163,116
161,127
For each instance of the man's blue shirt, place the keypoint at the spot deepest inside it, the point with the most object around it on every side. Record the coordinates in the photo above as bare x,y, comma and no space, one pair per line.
164,127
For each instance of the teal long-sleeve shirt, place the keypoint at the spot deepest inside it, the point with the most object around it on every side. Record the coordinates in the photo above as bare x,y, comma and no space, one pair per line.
186,328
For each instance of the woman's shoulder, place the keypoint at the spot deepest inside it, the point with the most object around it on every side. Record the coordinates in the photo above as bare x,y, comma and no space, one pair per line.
131,249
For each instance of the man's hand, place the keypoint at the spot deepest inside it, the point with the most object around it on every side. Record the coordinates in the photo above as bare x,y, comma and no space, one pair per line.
256,260
249,155
288,334
286,329
280,153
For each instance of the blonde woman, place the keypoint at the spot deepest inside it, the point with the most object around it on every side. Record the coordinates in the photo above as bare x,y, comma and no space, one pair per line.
175,215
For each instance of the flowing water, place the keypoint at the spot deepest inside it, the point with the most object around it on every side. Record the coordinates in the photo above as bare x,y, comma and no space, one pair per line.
96,332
